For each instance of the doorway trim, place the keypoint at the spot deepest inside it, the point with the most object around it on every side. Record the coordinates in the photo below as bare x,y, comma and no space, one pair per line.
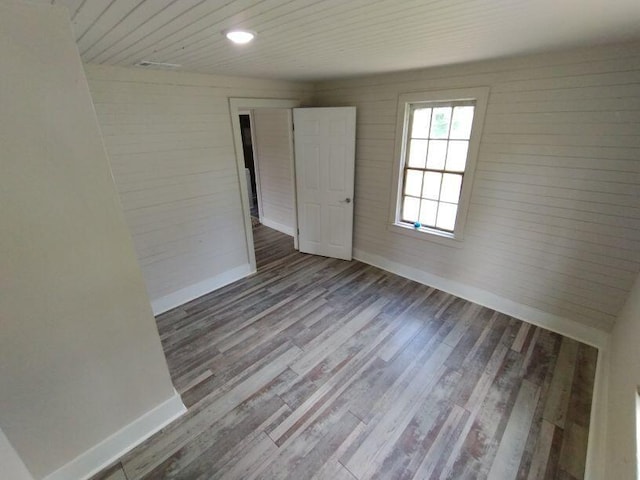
236,105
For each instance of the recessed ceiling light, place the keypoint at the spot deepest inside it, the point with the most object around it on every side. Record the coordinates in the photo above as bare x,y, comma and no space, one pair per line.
239,36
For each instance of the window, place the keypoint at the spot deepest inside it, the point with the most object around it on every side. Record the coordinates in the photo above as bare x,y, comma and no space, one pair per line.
439,134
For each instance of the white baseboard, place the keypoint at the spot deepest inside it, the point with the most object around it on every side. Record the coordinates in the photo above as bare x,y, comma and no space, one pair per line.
564,326
287,230
184,295
112,448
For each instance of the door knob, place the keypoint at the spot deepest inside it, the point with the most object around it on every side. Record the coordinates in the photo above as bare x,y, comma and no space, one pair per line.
347,200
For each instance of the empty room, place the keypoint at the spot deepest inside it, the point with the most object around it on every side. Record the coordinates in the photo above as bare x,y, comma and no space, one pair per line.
319,239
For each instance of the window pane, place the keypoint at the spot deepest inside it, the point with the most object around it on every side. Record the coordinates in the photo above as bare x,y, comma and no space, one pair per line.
428,213
440,122
410,209
431,188
447,216
417,153
437,154
413,183
457,155
461,122
451,184
421,121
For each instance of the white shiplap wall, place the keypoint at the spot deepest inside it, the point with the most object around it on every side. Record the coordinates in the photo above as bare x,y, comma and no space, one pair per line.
554,221
273,149
169,139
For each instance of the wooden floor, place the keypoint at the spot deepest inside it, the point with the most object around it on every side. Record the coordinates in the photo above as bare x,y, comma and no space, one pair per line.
318,368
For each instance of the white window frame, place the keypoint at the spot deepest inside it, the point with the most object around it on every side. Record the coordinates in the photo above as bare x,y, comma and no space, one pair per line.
405,102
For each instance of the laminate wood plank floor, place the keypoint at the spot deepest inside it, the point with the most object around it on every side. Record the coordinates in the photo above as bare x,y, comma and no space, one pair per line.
317,368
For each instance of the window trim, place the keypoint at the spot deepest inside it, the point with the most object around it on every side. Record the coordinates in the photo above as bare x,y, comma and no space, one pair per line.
405,102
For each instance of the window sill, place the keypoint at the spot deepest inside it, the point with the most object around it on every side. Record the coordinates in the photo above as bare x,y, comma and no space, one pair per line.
443,238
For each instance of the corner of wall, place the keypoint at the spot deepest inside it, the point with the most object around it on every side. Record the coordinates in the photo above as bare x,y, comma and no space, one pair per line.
12,465
618,444
596,444
184,295
110,449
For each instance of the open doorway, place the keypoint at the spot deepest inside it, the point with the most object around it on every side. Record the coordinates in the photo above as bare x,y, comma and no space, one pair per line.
250,167
270,134
263,136
309,192
268,159
269,244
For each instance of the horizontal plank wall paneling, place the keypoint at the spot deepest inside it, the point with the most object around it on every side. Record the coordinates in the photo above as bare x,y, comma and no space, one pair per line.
273,149
168,135
322,39
554,221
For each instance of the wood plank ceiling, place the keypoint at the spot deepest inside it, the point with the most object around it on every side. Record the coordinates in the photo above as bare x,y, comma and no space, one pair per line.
322,39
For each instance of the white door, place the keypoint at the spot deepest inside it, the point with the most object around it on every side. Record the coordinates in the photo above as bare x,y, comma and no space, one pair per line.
324,140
